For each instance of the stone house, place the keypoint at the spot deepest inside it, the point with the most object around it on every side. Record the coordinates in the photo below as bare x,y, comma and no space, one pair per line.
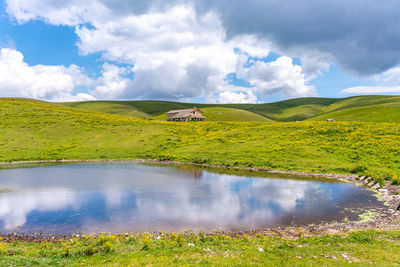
191,114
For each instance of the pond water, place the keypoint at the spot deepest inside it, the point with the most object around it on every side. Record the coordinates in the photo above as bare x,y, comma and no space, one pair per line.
122,197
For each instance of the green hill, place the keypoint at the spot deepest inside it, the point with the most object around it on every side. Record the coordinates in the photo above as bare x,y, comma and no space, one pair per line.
37,130
359,108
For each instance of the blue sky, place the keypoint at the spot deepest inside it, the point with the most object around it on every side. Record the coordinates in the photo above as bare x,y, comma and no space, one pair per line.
202,51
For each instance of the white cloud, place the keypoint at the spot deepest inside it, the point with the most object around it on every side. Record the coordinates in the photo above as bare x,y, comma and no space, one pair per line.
387,82
390,77
58,12
236,97
176,52
55,83
279,75
111,84
371,89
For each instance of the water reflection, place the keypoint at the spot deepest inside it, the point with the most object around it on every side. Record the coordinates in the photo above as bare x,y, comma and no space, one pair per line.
130,197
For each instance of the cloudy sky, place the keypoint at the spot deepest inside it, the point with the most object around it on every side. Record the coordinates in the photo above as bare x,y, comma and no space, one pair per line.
213,51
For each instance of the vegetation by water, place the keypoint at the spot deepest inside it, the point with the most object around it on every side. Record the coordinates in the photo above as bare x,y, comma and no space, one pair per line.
35,130
357,248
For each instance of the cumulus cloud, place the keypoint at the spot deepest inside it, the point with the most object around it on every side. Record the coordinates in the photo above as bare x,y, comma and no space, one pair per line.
357,35
56,83
280,75
236,97
112,82
176,54
178,51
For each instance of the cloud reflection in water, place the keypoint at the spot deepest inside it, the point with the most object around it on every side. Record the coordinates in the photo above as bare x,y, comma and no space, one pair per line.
131,197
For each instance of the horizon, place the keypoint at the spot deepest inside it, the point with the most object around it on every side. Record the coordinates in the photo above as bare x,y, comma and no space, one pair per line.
195,103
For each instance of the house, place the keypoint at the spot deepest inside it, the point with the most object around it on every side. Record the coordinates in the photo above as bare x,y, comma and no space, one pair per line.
191,114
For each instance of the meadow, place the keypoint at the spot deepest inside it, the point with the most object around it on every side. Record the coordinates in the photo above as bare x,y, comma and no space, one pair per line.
360,248
35,130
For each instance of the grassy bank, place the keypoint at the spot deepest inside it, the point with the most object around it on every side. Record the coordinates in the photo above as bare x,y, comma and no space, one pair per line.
357,248
34,130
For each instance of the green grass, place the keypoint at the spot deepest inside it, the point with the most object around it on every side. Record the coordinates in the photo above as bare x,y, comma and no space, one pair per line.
35,130
110,107
374,113
359,108
355,249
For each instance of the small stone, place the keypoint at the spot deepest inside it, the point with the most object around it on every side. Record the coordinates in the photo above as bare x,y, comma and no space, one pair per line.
344,256
260,249
376,186
362,178
371,183
191,245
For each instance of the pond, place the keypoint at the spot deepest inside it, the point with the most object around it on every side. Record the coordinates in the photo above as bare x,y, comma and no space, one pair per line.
130,197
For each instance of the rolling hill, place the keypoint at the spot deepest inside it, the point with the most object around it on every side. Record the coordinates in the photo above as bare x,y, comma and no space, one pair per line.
359,108
38,130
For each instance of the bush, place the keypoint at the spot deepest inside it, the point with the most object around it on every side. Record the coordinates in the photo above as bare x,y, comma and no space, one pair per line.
359,169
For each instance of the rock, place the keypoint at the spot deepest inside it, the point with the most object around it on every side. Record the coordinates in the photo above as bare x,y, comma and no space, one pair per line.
371,183
330,120
384,191
260,249
362,178
376,186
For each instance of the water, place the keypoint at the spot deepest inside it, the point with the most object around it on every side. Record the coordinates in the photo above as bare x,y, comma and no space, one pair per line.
122,197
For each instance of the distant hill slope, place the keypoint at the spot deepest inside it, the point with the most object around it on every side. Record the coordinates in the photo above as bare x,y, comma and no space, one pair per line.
359,108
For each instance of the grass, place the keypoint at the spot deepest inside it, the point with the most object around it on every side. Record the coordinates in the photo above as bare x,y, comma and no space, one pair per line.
359,108
35,130
356,249
111,107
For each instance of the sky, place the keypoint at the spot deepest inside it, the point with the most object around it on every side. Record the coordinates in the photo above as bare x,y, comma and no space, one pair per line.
208,51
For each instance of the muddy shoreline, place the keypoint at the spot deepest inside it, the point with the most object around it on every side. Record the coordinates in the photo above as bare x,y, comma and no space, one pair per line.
385,219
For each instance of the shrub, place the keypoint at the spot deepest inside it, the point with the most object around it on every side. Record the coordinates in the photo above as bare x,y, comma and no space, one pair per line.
359,169
107,247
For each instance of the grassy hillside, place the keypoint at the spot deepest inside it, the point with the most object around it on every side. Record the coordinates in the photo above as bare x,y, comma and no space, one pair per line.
368,109
35,130
112,107
360,108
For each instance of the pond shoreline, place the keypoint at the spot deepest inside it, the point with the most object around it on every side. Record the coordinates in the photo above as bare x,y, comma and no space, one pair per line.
386,219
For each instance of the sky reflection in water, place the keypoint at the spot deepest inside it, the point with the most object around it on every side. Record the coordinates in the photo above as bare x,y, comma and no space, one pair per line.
120,197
